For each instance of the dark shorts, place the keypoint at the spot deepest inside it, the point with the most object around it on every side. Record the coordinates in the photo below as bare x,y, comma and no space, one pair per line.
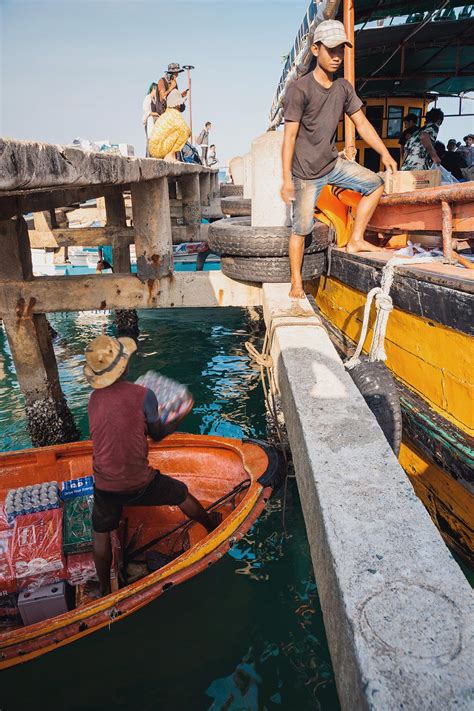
161,491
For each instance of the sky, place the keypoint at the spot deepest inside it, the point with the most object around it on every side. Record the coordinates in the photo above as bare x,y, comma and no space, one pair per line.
81,68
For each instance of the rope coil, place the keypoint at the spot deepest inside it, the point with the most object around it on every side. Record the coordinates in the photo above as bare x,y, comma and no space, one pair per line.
383,308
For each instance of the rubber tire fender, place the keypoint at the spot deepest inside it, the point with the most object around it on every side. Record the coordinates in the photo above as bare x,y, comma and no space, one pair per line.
273,270
236,206
236,237
377,386
228,189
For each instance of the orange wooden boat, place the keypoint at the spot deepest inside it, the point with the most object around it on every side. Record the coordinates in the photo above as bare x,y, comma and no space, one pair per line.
233,476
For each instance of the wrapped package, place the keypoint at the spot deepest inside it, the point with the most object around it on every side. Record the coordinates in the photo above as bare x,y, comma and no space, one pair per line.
83,486
174,399
77,520
80,568
37,552
7,576
31,499
4,523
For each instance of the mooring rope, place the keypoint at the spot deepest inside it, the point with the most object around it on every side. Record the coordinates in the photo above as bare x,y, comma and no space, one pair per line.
383,308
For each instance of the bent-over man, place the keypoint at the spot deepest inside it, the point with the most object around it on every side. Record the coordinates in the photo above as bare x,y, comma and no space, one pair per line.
121,414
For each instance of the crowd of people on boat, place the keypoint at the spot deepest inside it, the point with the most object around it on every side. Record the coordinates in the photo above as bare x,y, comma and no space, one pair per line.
167,134
423,151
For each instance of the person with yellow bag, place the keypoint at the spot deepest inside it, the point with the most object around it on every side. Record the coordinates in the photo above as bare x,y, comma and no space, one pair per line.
170,131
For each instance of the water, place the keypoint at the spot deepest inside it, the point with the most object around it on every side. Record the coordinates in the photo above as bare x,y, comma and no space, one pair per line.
259,604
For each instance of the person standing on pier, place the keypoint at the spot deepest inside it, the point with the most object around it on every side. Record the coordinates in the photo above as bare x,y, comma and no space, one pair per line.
121,415
167,84
203,141
314,105
150,113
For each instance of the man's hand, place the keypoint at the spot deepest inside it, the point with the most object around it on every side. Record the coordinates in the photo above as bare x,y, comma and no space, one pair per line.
184,93
389,162
287,191
436,159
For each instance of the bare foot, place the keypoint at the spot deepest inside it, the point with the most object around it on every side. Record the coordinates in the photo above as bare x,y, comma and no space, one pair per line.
360,245
170,159
297,292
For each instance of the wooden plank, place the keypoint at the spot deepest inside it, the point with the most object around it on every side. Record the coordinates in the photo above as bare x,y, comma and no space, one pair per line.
29,164
116,216
450,307
124,291
17,203
81,236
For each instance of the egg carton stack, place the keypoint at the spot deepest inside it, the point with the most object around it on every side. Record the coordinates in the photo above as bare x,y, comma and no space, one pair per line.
31,499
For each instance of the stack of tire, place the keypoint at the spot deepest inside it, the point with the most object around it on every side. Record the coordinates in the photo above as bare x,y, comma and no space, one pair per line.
260,254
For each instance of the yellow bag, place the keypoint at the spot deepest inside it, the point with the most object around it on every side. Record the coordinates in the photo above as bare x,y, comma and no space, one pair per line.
169,134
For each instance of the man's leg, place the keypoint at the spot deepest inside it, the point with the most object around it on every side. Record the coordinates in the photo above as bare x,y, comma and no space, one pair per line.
296,251
195,510
102,551
365,210
352,176
306,195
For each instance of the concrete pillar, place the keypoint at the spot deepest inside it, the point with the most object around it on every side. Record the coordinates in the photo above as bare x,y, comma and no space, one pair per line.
248,175
126,320
49,419
205,188
214,177
172,188
152,223
236,170
268,209
191,201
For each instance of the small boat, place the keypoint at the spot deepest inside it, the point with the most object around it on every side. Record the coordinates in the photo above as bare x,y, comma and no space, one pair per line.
231,476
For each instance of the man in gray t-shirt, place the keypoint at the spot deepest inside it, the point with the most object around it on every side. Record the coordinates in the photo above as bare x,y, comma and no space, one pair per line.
313,107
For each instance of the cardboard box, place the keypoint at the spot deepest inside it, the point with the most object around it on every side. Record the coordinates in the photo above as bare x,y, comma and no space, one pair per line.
404,181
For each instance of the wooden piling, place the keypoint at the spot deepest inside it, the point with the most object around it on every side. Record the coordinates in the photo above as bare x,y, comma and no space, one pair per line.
191,202
152,223
126,320
49,419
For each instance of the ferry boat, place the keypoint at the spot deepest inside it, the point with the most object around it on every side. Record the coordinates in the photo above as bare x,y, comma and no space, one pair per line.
403,65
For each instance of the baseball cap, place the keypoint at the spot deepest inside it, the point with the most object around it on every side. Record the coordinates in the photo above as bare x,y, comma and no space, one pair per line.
331,33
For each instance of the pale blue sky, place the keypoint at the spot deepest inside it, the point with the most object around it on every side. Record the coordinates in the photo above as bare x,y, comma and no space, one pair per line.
81,67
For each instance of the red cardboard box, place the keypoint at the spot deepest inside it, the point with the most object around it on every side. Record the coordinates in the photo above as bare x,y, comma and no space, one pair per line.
37,553
80,568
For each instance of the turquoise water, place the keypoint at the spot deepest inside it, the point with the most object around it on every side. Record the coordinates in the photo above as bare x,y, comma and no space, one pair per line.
259,604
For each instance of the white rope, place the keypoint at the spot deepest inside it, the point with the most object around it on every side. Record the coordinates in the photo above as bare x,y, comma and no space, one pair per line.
383,308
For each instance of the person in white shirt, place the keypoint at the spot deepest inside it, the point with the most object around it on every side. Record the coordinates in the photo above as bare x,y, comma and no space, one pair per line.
149,113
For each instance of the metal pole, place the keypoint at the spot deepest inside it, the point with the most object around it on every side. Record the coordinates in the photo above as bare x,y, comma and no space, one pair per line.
188,68
349,74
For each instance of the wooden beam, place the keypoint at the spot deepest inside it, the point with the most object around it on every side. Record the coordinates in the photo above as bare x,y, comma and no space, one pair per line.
124,291
82,236
116,216
191,202
16,251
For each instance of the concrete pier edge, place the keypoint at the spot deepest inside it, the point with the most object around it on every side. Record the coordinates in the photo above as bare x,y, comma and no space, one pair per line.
398,612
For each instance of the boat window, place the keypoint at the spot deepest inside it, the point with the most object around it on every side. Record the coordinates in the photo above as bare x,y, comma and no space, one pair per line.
375,116
415,110
394,123
372,160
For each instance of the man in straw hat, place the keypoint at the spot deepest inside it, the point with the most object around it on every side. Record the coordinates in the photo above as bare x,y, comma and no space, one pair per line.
314,105
121,414
467,150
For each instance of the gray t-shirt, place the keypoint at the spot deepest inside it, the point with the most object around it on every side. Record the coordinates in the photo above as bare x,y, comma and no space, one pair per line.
318,110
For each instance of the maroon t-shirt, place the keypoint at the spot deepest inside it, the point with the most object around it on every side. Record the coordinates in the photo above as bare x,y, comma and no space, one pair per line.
117,423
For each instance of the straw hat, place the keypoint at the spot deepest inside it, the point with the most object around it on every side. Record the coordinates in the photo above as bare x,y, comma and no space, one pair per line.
107,359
